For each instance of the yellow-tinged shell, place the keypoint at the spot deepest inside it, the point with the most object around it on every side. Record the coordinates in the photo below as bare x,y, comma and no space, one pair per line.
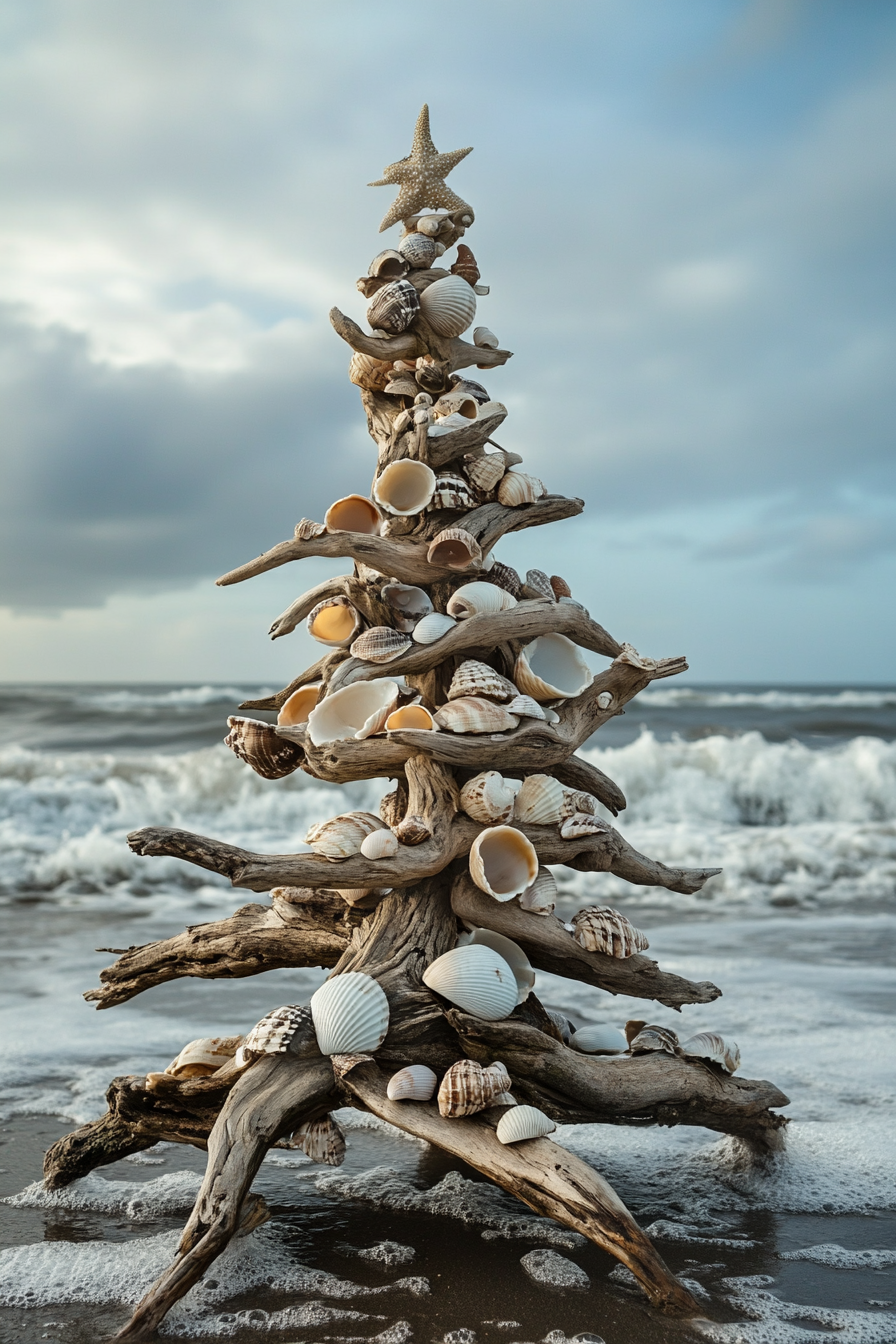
299,705
485,472
475,598
405,487
488,798
356,711
503,862
321,1140
453,548
552,668
340,837
540,801
410,716
473,714
599,928
709,1045
258,745
380,644
334,622
518,488
449,305
475,678
467,1087
414,1083
523,1122
379,845
541,897
205,1056
369,373
393,307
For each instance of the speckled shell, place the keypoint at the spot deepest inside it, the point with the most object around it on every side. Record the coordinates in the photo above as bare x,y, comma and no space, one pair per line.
467,1087
272,1035
473,714
475,979
485,472
465,265
351,1014
709,1045
576,801
523,1122
449,305
599,1041
409,604
475,678
578,824
452,492
517,488
334,622
299,705
380,644
487,798
503,862
475,598
454,548
539,585
560,586
650,1039
433,627
420,251
258,745
541,897
415,1083
457,403
405,487
540,801
389,265
506,577
604,700
367,372
410,716
599,928
394,307
355,711
552,668
485,339
205,1056
512,953
340,837
379,845
526,708
321,1140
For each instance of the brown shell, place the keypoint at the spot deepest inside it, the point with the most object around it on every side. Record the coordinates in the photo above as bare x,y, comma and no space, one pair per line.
467,1087
466,265
369,373
452,492
412,830
393,806
454,548
475,678
380,644
538,585
432,377
258,745
599,928
649,1039
394,307
272,1035
321,1140
472,714
485,472
506,577
560,586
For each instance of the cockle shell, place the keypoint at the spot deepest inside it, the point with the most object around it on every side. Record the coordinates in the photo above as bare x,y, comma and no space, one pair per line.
475,598
523,1122
416,1082
539,585
706,1045
475,678
355,711
379,845
367,372
448,305
299,705
650,1039
578,824
394,307
467,1087
485,339
272,1035
205,1056
380,644
410,716
405,487
599,1041
258,745
487,798
475,979
517,488
433,627
526,708
541,897
334,622
506,577
389,265
599,928
465,265
473,714
351,1014
485,472
452,492
340,837
454,548
420,251
540,801
560,586
409,604
353,513
503,862
457,403
321,1140
512,953
552,668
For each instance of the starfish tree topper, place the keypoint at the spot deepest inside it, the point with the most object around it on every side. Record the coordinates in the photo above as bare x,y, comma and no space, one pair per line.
420,176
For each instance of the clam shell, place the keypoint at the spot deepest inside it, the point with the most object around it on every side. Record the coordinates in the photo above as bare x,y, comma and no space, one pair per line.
487,798
552,668
433,627
523,1122
409,604
581,823
355,711
340,837
599,1041
389,265
351,1014
599,928
405,487
503,862
258,745
394,307
454,548
486,472
448,305
416,1082
517,488
541,897
334,622
560,586
353,513
452,492
526,708
419,251
299,705
272,1035
412,830
474,678
504,576
512,953
205,1056
474,598
321,1140
540,801
472,714
475,979
605,700
457,403
539,585
650,1039
465,265
380,644
410,716
705,1045
467,1087
379,845
485,339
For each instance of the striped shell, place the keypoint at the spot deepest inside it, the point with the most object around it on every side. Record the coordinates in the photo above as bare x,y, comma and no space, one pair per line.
578,824
599,928
299,705
512,953
538,585
433,627
467,1087
334,622
341,837
410,604
200,1058
648,1040
258,745
526,708
367,372
503,862
454,548
541,897
410,716
504,576
380,644
486,472
351,1014
321,1140
707,1045
599,1041
449,305
540,801
405,487
415,1083
473,714
517,488
475,678
379,845
487,798
465,265
355,711
452,492
552,668
475,979
353,513
523,1122
272,1035
394,307
419,251
475,598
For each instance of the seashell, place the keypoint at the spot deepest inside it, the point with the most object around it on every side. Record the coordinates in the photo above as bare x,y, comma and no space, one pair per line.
452,492
392,806
472,714
487,798
433,627
380,644
504,576
576,802
632,658
467,1087
405,487
581,823
599,928
465,265
512,953
449,305
469,386
362,898
563,1025
200,1058
448,424
402,386
431,224
321,1140
412,830
604,700
541,897
457,403
705,1045
416,1082
379,845
599,1041
475,598
367,372
485,472
258,745
523,1122
419,251
389,265
409,604
485,339
334,622
648,1040
492,408
423,399
351,1014
431,377
503,862
454,548
539,585
354,513
394,307
475,979
517,488
560,586
299,705
307,529
526,708
342,836
539,801
473,678
410,716
505,1099
552,668
355,711
272,1035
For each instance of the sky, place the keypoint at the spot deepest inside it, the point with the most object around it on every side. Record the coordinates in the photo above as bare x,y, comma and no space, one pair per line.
685,214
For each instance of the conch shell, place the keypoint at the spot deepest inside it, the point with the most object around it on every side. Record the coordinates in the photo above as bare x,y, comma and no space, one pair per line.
299,705
517,488
380,644
334,622
552,668
449,305
475,598
473,714
453,548
355,711
488,798
475,678
354,513
467,1087
342,836
405,487
258,745
599,928
503,862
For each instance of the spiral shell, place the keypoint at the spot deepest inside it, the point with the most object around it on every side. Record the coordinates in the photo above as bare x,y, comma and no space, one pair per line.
599,928
453,548
321,1140
416,1082
465,265
517,488
405,487
449,305
541,897
299,705
473,714
353,513
334,622
538,585
475,598
485,339
379,845
272,1035
341,837
552,668
485,472
410,716
540,801
389,265
419,251
200,1058
456,402
356,711
467,1087
512,953
451,492
351,1014
647,1040
475,979
487,798
409,604
393,307
599,1041
503,862
258,745
475,678
523,1122
380,644
709,1045
433,627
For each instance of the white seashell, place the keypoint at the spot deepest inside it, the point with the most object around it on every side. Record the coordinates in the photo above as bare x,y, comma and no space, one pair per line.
409,604
457,403
487,798
355,711
473,714
709,1045
632,658
299,705
467,1087
541,897
334,622
473,599
485,339
504,1099
341,837
351,1014
599,928
379,845
475,678
321,1140
447,425
485,472
517,488
526,708
454,548
512,953
419,251
523,1122
582,823
552,668
272,1035
380,644
540,801
503,862
490,408
410,716
405,487
604,700
200,1058
433,627
476,979
353,513
448,305
416,1082
599,1041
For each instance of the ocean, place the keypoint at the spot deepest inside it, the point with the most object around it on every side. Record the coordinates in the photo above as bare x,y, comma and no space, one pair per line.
791,790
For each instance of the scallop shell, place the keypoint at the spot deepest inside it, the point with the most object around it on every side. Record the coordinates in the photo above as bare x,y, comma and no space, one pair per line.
472,714
485,339
394,307
457,403
321,1140
379,845
560,586
475,979
526,708
506,577
351,1014
405,487
605,700
258,745
380,644
487,798
353,513
512,953
452,492
340,837
485,472
552,668
475,598
539,585
705,1045
367,372
517,488
503,862
433,627
599,928
448,305
599,1041
467,1087
410,716
540,801
650,1039
541,897
523,1122
419,251
453,548
578,824
355,711
474,678
465,265
205,1056
389,265
416,1082
409,604
412,830
272,1035
334,622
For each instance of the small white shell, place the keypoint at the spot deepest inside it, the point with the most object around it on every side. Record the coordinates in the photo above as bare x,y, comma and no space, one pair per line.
503,862
355,711
351,1014
540,801
526,708
380,644
353,513
475,678
416,1082
299,705
448,305
476,979
473,599
433,627
709,1045
487,798
599,1041
341,837
410,716
485,339
473,714
405,487
516,487
541,897
334,622
379,845
512,953
604,700
523,1122
552,668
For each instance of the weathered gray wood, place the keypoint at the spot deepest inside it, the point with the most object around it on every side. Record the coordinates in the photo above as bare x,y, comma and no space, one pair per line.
422,340
363,596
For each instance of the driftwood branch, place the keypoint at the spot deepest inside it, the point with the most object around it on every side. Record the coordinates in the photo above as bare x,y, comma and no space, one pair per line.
456,353
362,595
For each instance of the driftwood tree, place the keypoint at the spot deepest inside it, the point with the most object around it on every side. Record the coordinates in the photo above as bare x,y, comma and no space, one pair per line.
448,673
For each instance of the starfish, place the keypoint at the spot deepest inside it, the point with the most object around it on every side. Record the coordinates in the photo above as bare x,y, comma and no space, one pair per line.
421,176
